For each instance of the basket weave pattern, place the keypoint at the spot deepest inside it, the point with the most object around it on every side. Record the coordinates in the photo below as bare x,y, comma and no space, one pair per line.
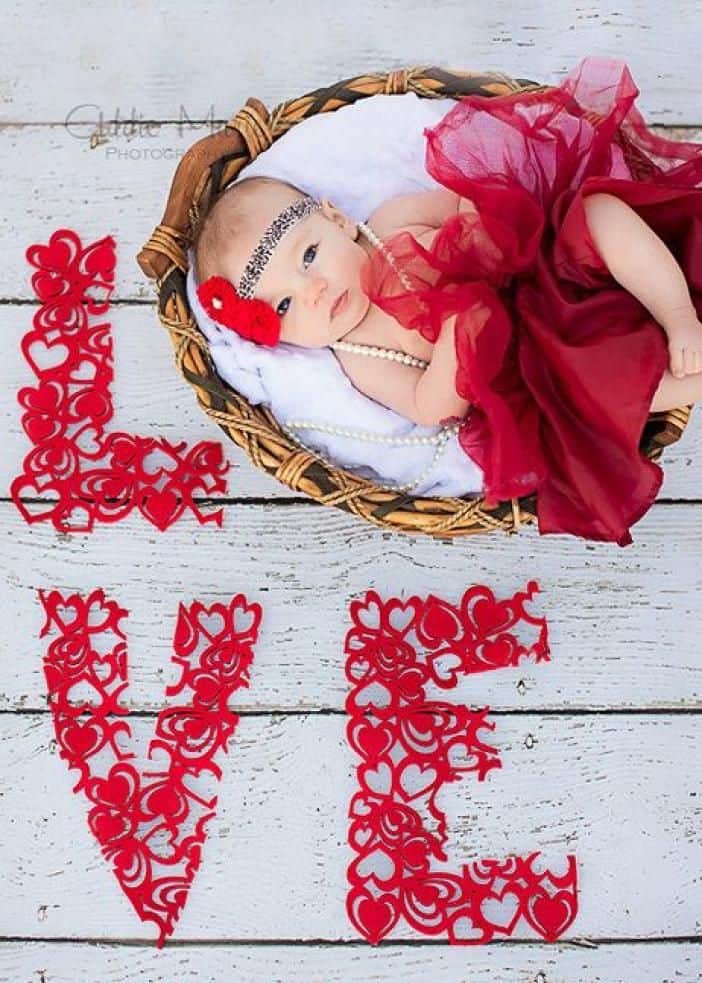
209,165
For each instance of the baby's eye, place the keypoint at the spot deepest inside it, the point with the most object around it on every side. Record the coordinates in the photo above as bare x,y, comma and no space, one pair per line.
313,248
287,299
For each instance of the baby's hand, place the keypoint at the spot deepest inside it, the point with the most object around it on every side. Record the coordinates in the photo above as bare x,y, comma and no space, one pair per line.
685,345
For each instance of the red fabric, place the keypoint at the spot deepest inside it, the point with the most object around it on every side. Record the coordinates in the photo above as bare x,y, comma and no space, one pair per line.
559,362
411,745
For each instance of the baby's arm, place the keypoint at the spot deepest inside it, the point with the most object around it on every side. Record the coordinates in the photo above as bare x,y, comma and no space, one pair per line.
425,396
436,395
642,263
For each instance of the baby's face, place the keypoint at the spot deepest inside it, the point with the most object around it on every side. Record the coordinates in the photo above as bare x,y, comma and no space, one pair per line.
315,262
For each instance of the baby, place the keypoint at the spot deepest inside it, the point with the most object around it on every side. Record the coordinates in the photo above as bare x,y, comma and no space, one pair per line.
306,271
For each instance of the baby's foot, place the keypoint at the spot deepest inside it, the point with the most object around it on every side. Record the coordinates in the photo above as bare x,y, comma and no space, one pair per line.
685,344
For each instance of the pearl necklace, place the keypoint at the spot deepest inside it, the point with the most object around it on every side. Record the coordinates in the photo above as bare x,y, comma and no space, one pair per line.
440,438
374,350
379,244
389,353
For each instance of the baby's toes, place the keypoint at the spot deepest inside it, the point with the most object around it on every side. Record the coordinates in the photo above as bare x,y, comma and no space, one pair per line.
677,363
693,361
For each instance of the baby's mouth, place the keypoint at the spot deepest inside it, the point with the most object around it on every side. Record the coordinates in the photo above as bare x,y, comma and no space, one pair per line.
340,303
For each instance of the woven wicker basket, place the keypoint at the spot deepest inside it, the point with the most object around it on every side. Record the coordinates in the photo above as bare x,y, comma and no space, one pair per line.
210,164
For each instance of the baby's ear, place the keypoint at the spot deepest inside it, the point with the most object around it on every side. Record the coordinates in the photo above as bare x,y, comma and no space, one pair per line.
336,215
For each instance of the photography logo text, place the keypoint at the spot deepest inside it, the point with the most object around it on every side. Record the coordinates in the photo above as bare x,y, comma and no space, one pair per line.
132,137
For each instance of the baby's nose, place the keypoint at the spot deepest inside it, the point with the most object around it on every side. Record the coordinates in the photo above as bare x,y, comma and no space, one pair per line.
315,289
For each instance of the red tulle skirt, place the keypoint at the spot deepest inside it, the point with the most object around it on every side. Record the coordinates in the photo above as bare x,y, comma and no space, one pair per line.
559,362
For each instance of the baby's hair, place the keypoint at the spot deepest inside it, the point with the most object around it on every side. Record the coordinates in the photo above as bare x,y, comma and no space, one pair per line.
227,215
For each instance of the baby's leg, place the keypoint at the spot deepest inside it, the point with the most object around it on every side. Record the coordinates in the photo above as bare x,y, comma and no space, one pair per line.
673,392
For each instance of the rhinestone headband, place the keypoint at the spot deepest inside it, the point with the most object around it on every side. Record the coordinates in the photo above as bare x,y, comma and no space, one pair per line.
270,239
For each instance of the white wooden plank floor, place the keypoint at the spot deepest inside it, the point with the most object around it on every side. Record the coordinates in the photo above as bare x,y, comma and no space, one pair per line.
613,771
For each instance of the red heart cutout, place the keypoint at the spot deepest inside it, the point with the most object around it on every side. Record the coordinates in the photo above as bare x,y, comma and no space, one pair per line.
66,349
213,621
57,459
161,507
60,253
108,827
439,621
89,404
42,429
373,741
409,746
84,370
44,399
82,740
116,790
88,442
551,916
375,917
34,511
164,799
49,286
54,356
490,615
130,816
509,909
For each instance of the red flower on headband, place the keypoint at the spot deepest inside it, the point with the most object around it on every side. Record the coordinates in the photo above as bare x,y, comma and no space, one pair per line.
252,319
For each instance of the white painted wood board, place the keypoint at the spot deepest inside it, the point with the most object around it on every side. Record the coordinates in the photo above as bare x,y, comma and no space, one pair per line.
614,774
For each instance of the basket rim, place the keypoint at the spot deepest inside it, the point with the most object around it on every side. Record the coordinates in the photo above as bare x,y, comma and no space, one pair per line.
214,161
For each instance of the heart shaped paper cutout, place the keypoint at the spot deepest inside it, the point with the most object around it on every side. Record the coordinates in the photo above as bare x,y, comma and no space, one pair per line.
150,824
408,747
103,476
